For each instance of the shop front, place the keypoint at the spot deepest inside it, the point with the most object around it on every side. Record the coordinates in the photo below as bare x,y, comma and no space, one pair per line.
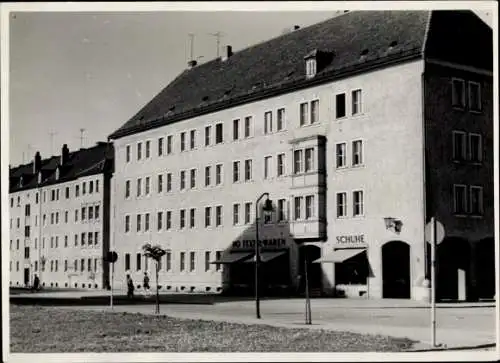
239,267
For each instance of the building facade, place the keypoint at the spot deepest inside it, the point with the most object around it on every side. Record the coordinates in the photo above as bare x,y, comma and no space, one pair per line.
59,219
360,129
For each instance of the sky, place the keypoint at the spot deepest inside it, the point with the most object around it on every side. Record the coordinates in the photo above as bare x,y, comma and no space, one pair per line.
94,70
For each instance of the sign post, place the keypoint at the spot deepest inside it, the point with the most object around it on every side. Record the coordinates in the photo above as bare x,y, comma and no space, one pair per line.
111,257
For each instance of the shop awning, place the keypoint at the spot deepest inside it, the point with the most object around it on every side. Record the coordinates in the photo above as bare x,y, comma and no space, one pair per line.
266,256
233,257
340,255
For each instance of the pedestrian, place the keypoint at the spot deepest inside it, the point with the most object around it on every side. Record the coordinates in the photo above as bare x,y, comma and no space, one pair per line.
299,284
145,283
130,287
36,283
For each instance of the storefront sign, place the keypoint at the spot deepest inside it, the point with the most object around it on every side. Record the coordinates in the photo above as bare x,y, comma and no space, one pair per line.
352,239
246,243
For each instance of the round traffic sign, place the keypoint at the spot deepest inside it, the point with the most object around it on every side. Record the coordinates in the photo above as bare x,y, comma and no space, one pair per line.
439,232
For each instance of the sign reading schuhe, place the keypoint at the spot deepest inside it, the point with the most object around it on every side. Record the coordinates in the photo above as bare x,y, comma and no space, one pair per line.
249,243
351,240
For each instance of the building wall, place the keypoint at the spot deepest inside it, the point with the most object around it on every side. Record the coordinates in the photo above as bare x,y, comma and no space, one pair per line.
53,231
391,176
391,121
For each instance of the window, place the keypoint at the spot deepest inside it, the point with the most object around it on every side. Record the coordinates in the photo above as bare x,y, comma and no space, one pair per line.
139,151
169,144
168,258
127,153
208,134
76,240
341,155
84,188
248,126
183,141
218,255
148,185
297,162
138,261
356,101
309,159
218,215
96,212
91,212
138,217
169,182
248,170
267,167
314,111
268,122
207,176
82,239
139,187
90,238
66,193
146,222
304,113
357,153
193,178
208,216
127,223
340,103
192,257
159,221
83,213
183,261
297,207
236,129
311,67
207,261
281,165
26,252
160,183
460,199
475,148
168,223
160,146
248,212
280,119
127,189
97,186
341,205
218,174
281,210
219,137
65,241
127,261
236,214
236,171
91,187
192,139
192,214
96,238
458,93
183,179
66,217
182,218
357,203
475,96
459,146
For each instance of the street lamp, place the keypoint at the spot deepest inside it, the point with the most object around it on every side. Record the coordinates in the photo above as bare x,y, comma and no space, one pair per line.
267,208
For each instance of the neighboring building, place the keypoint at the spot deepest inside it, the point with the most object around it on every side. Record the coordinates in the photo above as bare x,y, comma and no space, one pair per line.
59,218
360,128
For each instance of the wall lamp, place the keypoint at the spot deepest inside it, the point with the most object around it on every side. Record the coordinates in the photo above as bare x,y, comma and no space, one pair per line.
393,223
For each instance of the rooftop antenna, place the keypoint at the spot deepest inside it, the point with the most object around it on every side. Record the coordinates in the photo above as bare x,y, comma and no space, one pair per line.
218,35
51,134
81,137
191,41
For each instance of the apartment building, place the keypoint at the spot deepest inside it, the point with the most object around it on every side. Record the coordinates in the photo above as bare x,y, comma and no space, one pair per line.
360,129
59,219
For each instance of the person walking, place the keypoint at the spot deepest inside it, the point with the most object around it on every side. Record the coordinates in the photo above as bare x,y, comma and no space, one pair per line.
145,283
36,283
130,287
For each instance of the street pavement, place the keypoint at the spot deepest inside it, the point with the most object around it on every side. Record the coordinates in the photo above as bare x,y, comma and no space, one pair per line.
459,325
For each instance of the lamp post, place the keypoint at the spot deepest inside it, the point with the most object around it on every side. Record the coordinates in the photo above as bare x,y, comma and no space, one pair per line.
268,207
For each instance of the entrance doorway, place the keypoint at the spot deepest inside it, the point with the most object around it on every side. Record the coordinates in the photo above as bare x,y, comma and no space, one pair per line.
26,277
396,270
485,268
452,269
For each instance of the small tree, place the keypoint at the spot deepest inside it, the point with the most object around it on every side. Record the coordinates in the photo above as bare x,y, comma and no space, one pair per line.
155,253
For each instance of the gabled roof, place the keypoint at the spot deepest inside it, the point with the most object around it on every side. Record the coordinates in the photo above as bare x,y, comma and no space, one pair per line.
359,41
83,162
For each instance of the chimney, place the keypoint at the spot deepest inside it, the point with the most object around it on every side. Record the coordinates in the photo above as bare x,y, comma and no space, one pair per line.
296,27
229,52
192,64
37,163
64,154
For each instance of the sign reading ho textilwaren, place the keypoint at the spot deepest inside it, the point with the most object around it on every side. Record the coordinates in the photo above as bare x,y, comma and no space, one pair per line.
266,243
357,240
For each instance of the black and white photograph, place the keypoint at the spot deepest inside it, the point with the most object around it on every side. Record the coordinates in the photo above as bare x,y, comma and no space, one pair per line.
250,181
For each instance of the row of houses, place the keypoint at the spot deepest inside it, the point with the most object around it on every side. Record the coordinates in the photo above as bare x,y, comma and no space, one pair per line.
359,129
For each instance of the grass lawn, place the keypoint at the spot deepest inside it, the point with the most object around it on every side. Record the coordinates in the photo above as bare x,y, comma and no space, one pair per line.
36,329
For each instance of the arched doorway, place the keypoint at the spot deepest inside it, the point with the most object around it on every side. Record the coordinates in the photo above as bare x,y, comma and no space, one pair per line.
314,273
452,269
396,283
485,268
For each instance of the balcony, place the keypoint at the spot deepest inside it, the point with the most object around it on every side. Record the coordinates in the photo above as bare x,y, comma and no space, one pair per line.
308,229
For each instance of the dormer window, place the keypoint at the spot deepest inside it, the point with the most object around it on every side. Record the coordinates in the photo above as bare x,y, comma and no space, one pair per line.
21,181
311,67
39,177
57,173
